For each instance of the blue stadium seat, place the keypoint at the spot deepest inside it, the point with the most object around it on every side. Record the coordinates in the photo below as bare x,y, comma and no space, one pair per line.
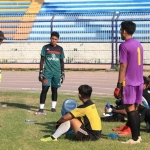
75,6
14,6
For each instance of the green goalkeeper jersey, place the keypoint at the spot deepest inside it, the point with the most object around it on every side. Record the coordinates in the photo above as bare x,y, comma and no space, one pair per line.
52,58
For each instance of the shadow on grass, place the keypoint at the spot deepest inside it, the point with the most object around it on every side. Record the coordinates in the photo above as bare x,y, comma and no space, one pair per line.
19,105
49,127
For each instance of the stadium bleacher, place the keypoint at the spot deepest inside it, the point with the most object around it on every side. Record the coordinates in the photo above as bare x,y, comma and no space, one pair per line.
14,6
72,30
18,24
13,14
75,6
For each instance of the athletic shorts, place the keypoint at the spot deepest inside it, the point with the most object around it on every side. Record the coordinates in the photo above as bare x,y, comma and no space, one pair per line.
52,80
132,94
83,135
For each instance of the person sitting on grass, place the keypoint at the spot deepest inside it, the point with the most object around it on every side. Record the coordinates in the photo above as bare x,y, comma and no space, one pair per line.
143,111
83,120
146,92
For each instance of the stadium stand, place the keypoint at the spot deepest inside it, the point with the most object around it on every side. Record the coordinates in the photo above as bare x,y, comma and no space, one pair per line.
13,14
29,19
75,6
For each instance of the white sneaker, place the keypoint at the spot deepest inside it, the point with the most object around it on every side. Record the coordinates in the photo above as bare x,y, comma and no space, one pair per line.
139,138
131,141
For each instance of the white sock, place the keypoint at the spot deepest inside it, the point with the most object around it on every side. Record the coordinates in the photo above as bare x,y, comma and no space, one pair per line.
42,106
63,128
54,104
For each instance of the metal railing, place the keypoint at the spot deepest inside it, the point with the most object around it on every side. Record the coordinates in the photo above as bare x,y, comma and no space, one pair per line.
103,27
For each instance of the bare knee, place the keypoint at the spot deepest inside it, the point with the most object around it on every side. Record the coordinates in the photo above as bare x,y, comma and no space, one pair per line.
75,124
131,107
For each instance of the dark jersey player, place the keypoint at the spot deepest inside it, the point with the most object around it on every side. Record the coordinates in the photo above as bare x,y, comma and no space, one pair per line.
51,71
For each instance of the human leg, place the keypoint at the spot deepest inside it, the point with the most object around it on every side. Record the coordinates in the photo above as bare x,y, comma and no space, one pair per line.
134,120
42,99
74,124
63,128
55,84
131,98
54,98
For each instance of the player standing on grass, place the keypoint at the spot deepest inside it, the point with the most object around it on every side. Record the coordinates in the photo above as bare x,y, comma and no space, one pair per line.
52,74
130,80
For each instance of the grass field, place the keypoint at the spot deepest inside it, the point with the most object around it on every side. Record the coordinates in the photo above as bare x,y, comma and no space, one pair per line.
16,134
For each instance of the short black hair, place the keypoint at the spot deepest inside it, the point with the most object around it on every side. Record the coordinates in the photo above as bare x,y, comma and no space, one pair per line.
128,26
54,33
145,80
85,91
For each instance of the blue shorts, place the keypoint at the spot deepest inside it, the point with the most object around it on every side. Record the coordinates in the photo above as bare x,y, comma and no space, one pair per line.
132,94
52,79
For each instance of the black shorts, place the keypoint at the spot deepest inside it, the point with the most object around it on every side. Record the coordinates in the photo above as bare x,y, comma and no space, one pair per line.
83,135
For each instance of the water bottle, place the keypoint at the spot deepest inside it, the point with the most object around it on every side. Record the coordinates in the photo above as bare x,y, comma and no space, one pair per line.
0,75
108,110
30,120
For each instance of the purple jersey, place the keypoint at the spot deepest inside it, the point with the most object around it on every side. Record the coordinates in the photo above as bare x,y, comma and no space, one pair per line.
131,53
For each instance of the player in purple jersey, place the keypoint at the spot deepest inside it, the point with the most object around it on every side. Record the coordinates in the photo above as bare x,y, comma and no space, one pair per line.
130,80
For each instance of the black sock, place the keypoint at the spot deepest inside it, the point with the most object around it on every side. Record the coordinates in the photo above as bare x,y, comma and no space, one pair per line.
128,124
52,137
134,122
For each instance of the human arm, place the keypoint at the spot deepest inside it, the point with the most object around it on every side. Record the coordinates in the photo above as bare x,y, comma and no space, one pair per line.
42,62
119,111
41,75
62,65
64,118
62,77
122,72
123,55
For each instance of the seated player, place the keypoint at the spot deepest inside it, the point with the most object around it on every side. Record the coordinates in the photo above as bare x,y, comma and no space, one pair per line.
116,113
146,92
149,81
144,113
83,120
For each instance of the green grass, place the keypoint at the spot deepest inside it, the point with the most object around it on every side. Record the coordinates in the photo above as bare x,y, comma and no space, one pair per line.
16,134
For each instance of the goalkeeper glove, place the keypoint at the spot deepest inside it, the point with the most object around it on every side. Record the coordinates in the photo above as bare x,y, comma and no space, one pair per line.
41,76
117,91
62,77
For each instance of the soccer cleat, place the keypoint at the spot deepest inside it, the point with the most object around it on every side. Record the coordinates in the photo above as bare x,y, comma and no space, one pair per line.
125,131
48,139
131,141
40,112
119,128
53,110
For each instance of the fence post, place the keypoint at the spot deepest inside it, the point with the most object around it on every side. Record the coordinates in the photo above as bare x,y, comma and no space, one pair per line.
116,41
52,21
112,42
